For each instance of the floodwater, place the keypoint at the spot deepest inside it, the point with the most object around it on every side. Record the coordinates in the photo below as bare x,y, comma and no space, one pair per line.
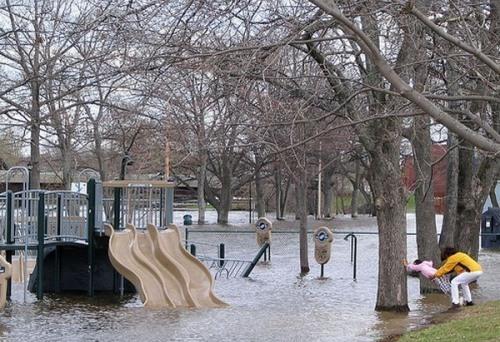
274,304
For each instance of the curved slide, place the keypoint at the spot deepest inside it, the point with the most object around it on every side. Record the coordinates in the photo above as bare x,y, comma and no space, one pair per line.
161,270
194,272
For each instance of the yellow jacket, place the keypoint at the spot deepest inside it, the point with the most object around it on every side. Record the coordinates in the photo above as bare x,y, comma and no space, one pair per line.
458,262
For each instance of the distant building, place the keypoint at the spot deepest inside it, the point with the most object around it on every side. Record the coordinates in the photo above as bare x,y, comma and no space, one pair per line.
48,181
439,174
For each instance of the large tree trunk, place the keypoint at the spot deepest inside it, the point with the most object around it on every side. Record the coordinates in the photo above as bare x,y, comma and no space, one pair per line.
424,198
301,189
493,195
448,229
67,166
35,146
465,215
389,193
226,196
473,191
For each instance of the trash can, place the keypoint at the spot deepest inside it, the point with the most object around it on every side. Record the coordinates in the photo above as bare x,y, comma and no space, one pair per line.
490,228
188,220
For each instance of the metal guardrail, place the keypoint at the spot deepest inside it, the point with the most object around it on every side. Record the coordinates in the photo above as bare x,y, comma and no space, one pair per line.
222,265
227,267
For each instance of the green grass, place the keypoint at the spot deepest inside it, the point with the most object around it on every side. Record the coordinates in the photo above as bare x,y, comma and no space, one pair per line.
471,324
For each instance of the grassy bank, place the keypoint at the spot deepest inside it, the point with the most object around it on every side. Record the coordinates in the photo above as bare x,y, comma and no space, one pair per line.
477,323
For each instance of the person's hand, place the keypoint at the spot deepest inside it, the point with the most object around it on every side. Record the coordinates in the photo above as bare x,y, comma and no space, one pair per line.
405,262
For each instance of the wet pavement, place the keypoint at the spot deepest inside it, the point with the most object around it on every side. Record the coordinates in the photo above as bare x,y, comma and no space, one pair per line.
274,304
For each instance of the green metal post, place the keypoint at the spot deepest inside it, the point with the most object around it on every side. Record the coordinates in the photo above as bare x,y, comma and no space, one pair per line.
90,232
222,254
9,224
255,260
40,247
162,193
116,208
59,216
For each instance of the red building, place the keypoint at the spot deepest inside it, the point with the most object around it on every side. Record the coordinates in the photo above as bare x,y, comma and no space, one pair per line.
439,170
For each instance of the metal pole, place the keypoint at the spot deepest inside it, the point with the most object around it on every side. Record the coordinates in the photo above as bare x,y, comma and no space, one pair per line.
186,236
255,260
90,233
59,216
355,255
322,270
193,249
250,202
352,249
40,247
222,254
116,208
10,241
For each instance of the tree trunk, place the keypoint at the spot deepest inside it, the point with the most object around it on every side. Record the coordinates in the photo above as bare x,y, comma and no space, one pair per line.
390,202
226,196
260,203
473,192
284,198
328,193
424,198
355,190
302,213
277,192
493,195
298,193
202,174
99,153
448,229
35,146
67,166
465,199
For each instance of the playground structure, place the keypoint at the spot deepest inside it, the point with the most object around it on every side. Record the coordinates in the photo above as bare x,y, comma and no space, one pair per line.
62,234
162,271
64,230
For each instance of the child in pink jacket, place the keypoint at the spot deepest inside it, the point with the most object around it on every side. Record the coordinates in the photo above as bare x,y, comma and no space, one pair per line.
426,268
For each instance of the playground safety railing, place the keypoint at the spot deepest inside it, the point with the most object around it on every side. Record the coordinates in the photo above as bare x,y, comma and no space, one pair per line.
214,257
225,267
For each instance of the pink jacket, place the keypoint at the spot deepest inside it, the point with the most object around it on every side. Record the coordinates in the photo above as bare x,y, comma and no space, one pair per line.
425,268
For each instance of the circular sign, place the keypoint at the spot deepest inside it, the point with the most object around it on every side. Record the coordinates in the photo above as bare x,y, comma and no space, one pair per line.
322,236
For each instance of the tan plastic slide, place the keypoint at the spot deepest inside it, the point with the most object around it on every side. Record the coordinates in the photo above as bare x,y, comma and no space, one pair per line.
4,277
163,273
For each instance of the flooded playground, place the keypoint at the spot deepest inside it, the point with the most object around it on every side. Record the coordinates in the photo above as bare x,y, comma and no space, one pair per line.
274,304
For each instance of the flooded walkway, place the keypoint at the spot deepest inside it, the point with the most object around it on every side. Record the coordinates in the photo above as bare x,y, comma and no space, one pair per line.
273,305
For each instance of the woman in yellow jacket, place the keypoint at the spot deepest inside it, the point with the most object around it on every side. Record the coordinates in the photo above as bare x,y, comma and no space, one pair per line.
467,269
